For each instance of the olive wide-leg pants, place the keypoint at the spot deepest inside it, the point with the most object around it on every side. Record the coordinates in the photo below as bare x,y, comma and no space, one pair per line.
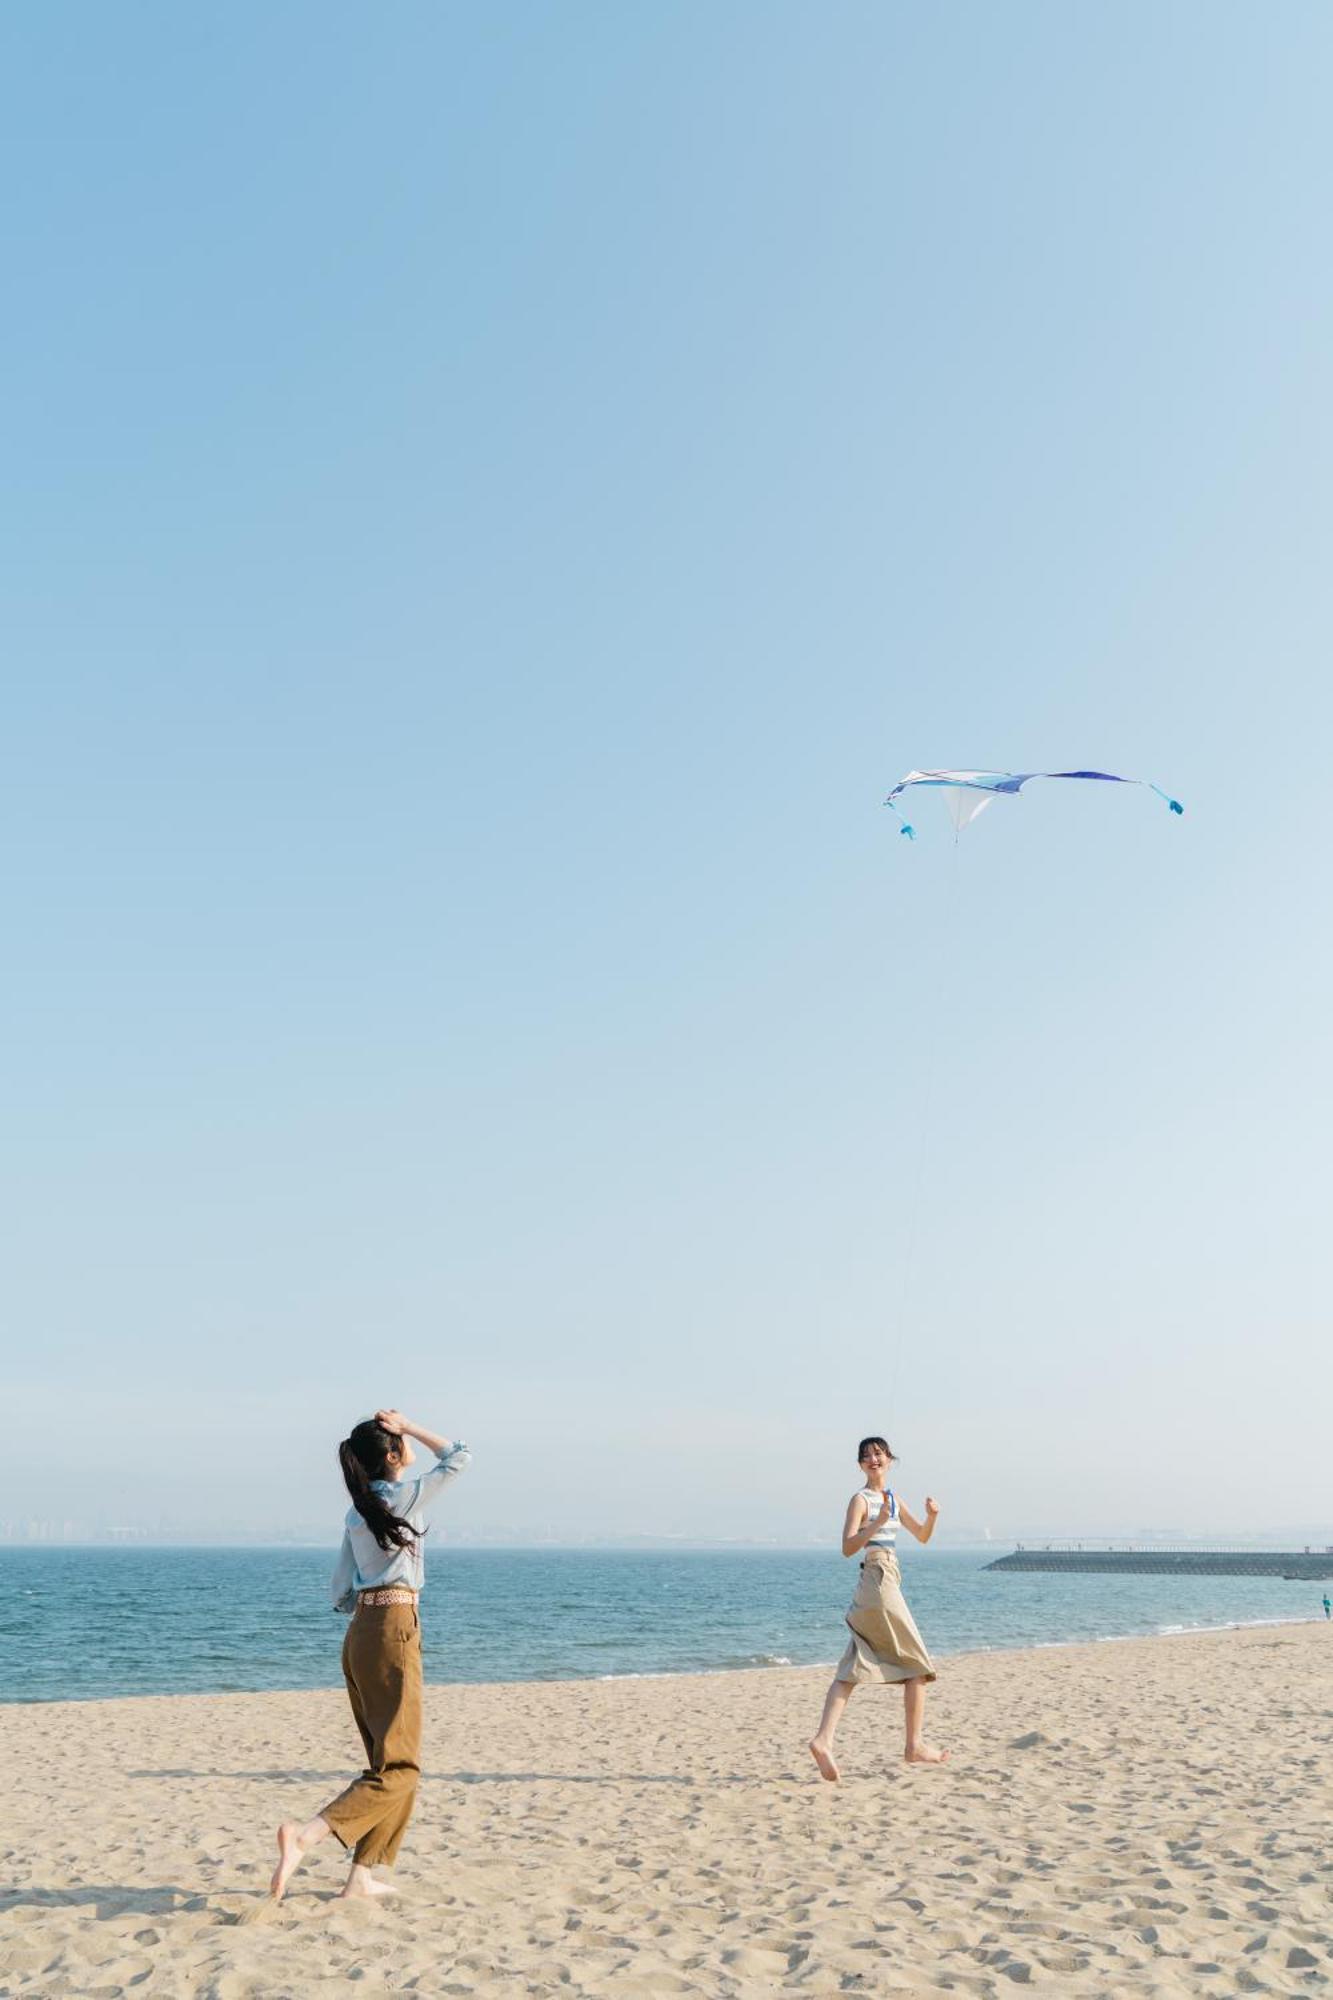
382,1668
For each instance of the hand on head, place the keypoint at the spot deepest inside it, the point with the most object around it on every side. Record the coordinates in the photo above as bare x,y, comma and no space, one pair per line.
390,1420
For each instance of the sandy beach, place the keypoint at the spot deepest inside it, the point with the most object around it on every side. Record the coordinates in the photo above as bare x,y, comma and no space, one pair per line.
1145,1817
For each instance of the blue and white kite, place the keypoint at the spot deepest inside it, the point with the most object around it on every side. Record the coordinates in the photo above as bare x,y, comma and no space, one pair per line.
967,793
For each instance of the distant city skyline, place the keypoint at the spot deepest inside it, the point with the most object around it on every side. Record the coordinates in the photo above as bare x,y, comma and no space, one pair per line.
82,1534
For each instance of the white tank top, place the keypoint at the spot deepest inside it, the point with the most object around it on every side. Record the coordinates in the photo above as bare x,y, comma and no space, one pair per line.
887,1537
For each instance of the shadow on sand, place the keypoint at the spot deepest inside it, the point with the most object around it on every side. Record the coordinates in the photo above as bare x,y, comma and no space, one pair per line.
108,1899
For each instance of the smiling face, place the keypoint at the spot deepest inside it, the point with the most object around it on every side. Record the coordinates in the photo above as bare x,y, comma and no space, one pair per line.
875,1459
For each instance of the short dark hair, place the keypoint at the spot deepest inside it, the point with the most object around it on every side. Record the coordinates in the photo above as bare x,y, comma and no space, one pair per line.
866,1443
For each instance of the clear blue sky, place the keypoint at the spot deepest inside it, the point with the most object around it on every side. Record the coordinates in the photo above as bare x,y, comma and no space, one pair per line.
494,498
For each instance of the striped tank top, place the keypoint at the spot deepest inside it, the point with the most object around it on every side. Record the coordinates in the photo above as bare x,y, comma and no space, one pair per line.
887,1536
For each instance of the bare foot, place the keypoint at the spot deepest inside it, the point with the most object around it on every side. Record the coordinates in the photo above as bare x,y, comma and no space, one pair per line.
827,1768
361,1883
923,1754
290,1851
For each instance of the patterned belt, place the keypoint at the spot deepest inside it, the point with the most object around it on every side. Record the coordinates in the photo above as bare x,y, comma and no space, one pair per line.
387,1596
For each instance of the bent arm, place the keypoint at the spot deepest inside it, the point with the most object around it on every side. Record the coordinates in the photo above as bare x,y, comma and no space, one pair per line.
394,1420
342,1588
923,1530
439,1445
859,1526
451,1459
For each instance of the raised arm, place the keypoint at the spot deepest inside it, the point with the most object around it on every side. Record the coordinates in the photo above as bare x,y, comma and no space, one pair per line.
861,1524
451,1458
401,1426
923,1530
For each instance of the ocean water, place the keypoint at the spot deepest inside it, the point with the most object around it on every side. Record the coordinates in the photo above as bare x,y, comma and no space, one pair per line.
77,1623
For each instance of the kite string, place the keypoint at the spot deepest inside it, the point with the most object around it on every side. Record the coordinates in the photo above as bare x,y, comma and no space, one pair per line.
926,1129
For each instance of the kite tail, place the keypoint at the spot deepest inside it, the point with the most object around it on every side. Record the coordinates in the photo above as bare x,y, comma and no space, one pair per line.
1174,804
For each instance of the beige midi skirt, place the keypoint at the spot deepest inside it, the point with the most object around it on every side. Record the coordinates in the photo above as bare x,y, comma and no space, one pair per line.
885,1644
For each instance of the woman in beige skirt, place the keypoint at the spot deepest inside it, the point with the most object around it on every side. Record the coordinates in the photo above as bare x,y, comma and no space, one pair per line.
885,1648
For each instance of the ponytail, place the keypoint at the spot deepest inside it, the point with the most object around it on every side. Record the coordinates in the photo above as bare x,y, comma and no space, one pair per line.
364,1457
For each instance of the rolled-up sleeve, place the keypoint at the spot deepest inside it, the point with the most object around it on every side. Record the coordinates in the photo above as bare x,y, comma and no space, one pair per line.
455,1459
342,1589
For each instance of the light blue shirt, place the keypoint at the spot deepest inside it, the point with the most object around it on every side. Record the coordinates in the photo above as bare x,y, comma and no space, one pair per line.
362,1564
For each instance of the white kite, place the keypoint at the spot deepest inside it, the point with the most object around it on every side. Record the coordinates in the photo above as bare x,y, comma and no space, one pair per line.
967,793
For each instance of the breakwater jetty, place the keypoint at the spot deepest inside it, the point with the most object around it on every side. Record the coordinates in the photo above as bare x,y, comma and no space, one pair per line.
1082,1558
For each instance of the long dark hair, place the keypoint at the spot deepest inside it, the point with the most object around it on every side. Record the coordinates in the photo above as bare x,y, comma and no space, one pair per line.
365,1456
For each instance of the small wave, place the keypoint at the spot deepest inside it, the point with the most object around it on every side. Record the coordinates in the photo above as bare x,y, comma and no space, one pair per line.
1241,1624
1128,1638
1182,1631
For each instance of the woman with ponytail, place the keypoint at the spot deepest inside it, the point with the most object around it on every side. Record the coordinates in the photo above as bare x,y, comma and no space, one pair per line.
379,1576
